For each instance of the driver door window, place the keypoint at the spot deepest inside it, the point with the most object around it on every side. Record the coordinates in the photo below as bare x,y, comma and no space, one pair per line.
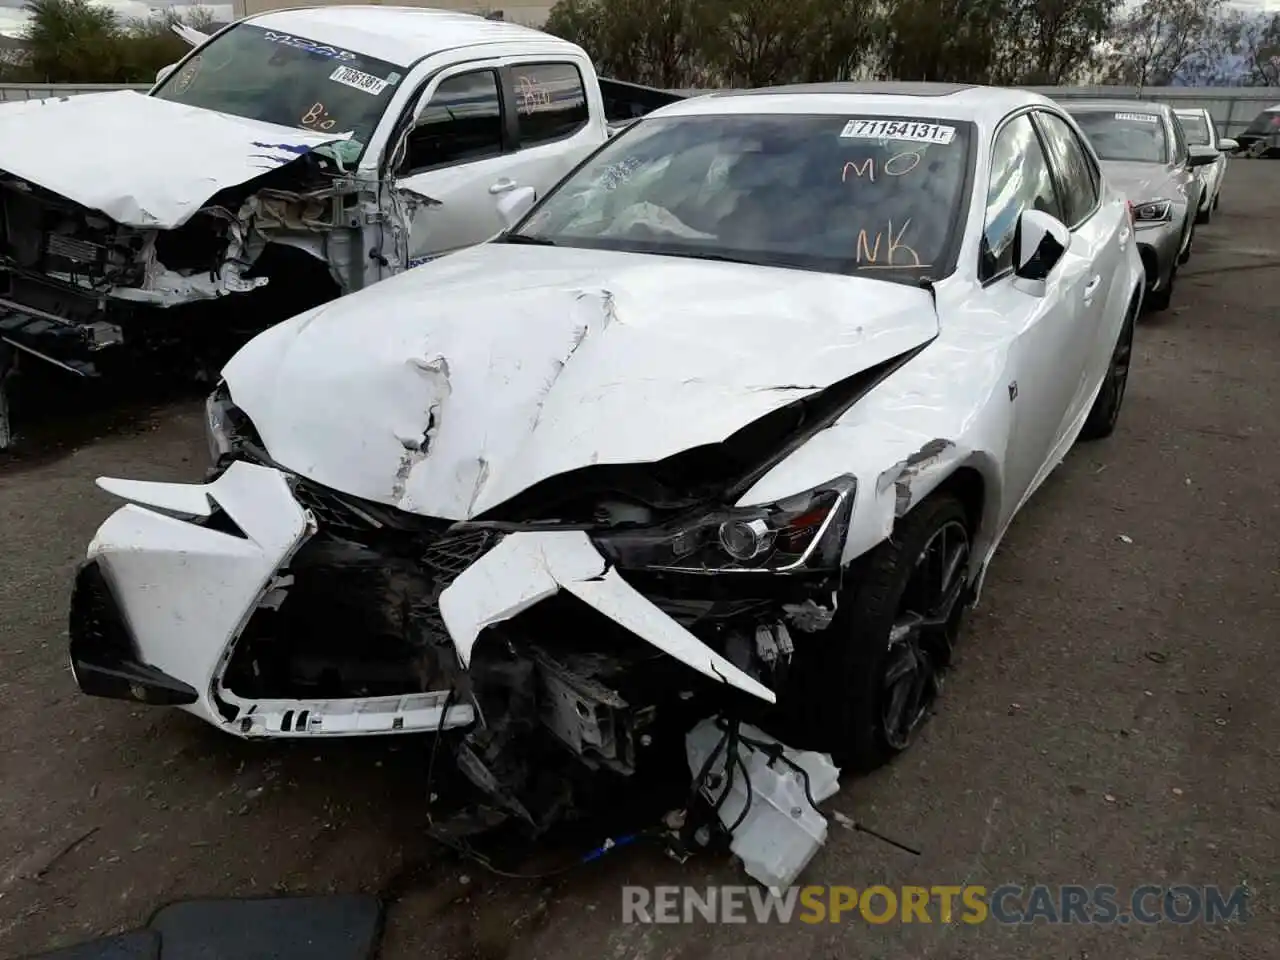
1020,181
462,123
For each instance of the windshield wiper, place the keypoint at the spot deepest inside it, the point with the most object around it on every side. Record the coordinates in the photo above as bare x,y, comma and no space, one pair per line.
526,239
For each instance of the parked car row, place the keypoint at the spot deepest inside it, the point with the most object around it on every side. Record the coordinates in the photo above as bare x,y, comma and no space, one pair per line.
1170,164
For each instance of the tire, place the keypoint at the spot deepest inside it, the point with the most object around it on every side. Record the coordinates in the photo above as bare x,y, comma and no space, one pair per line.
1105,413
1185,255
1217,200
1203,216
838,697
1159,300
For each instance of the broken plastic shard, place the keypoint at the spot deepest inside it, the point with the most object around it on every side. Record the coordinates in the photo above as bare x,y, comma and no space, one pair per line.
781,830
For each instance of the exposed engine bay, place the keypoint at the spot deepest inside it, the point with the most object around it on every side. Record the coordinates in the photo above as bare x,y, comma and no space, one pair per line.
74,282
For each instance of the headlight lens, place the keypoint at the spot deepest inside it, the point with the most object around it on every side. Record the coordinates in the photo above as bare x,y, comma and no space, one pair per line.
801,533
1153,211
226,425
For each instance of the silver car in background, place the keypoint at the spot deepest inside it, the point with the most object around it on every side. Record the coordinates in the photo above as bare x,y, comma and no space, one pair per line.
1199,129
1145,154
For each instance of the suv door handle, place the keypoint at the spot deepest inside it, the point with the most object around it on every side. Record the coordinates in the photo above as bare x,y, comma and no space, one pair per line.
1091,288
502,186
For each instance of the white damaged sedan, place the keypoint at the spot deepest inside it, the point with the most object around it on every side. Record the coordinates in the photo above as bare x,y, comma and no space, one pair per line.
729,422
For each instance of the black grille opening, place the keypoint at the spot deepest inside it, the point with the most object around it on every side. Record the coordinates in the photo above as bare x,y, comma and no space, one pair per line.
361,617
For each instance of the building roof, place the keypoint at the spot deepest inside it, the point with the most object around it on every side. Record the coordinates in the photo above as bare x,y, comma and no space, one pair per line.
399,35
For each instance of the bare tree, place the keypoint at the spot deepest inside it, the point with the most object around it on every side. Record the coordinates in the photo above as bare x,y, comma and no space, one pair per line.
1161,39
1253,42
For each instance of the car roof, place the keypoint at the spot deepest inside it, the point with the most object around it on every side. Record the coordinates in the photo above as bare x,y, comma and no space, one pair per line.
984,105
400,35
1146,106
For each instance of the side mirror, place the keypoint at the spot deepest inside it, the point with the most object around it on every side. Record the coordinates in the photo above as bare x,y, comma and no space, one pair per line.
1227,145
1039,242
1201,156
514,204
164,72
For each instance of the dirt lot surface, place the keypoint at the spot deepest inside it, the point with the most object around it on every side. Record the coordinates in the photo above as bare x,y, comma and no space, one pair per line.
1113,719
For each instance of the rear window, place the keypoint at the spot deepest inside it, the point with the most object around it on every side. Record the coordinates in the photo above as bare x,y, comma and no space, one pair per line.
286,79
1196,130
550,99
1124,135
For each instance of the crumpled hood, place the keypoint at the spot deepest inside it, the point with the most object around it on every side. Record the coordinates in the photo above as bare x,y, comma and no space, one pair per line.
458,384
1140,182
142,161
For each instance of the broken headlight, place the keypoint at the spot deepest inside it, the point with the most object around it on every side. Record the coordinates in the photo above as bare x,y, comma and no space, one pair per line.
226,425
804,532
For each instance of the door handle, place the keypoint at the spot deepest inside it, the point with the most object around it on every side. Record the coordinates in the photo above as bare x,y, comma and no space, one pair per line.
1091,287
502,186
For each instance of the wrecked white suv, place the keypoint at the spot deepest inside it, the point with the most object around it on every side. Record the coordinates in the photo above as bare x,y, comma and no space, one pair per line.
293,157
729,423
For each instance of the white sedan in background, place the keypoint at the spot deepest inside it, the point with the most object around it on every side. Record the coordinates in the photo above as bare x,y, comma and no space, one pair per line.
730,422
1200,131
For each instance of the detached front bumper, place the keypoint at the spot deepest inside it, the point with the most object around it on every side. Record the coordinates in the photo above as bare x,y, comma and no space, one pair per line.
173,581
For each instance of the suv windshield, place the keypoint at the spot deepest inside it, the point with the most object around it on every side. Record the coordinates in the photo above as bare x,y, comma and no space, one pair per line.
1124,135
1197,131
288,80
829,193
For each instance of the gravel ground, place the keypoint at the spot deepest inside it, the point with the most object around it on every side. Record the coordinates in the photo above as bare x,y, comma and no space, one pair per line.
1113,719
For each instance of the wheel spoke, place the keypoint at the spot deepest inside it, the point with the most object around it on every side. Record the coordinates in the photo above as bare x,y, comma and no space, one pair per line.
921,637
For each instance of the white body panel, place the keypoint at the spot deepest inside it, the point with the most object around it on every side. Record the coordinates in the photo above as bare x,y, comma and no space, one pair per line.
154,163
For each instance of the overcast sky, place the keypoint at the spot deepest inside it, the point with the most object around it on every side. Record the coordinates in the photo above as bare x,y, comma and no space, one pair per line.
12,17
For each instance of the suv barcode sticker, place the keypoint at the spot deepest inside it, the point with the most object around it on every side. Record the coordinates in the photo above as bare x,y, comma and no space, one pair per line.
1139,117
361,81
912,130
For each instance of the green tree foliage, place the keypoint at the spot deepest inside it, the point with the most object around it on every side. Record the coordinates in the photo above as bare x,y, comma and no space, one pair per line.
75,41
689,43
677,43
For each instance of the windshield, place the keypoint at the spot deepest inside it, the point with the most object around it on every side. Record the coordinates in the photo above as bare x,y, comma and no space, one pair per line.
829,193
289,80
1264,121
1122,135
1196,130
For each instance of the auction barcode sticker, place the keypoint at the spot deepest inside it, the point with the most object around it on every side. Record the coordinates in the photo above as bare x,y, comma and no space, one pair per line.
361,81
1138,117
912,130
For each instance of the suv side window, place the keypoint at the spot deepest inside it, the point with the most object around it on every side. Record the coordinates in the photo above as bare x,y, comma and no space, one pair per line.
1075,172
462,122
550,101
1020,180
